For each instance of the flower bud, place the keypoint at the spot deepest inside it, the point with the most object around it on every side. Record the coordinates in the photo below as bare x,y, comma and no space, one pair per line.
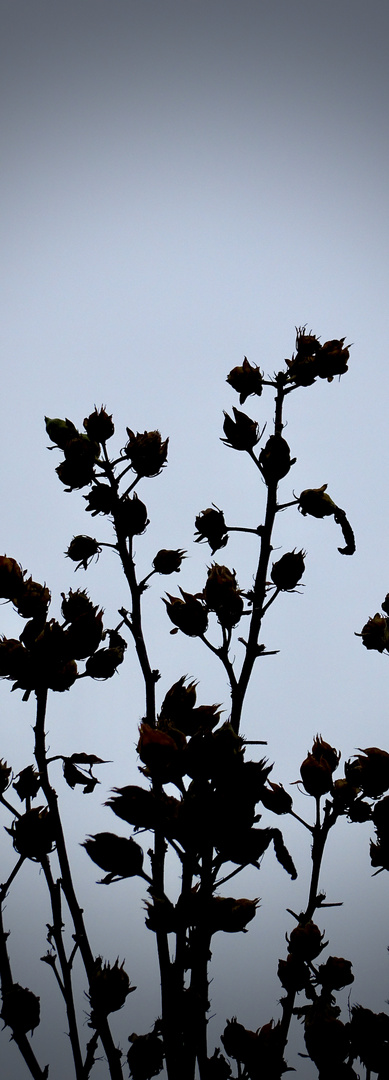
21,1010
11,578
82,549
275,460
101,500
99,425
189,614
246,380
211,526
147,452
241,433
121,857
286,573
168,561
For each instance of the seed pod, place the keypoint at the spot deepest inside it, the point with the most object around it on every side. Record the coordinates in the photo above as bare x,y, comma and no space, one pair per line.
131,517
316,775
241,433
316,502
33,834
100,499
293,973
246,380
306,941
82,550
147,452
326,1038
145,1056
189,614
108,989
369,1038
222,595
11,578
167,561
286,573
157,750
84,634
33,600
333,358
375,633
136,806
28,784
75,604
230,915
21,1010
63,676
99,425
5,775
371,772
120,856
211,526
335,973
104,663
275,460
179,702
276,799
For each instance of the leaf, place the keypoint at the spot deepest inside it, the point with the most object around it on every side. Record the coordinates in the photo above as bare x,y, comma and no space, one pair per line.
88,759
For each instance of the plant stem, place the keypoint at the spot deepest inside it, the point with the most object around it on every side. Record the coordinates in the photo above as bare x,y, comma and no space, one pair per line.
113,1054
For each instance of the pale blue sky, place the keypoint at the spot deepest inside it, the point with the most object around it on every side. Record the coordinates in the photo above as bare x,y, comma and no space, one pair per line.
182,183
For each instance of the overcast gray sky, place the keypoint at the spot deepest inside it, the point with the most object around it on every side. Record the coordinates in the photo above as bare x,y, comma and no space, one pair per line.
182,184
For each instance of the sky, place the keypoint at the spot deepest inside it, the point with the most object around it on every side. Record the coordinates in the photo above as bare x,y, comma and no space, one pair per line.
182,185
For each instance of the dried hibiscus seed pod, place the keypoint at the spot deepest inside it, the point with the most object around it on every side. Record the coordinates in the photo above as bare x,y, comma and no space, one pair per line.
21,1010
99,425
241,433
246,380
168,561
147,452
286,573
211,526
